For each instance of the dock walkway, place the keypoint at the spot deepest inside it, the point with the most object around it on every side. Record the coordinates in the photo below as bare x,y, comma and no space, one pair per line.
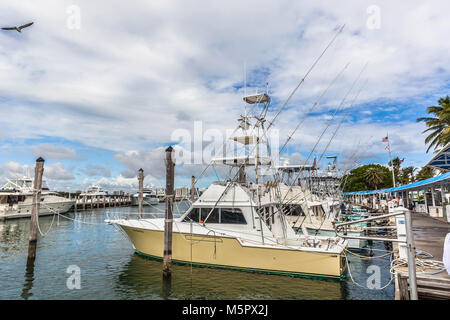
429,236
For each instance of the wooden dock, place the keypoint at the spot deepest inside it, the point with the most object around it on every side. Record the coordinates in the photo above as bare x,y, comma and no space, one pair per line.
96,202
429,236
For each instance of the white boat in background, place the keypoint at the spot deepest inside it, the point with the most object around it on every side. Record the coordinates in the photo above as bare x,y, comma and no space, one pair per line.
94,190
16,199
149,197
161,194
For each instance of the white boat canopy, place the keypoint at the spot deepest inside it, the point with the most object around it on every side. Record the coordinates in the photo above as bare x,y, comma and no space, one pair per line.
243,160
294,167
246,140
257,98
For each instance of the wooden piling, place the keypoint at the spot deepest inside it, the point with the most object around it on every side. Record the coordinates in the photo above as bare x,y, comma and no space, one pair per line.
76,204
141,188
192,188
170,176
32,240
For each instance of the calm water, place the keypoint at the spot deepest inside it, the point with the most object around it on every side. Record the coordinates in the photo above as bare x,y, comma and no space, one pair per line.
111,270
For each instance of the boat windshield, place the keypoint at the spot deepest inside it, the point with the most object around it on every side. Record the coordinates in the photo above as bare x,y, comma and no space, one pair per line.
218,215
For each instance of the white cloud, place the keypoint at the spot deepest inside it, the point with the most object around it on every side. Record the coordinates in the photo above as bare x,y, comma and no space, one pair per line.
96,170
53,172
47,150
56,171
135,73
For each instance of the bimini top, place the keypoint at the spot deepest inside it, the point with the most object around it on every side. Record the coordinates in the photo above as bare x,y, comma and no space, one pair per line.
243,160
257,98
414,185
442,159
294,167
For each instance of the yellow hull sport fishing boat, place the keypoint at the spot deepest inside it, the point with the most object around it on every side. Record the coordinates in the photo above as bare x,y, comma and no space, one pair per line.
239,224
230,233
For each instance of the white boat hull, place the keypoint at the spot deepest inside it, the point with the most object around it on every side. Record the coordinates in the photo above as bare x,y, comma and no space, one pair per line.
24,210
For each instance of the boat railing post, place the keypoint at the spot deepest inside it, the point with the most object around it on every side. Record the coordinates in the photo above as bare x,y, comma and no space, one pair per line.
32,240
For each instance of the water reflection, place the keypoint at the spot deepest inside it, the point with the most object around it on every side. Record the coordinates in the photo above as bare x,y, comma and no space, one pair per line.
111,270
143,276
29,278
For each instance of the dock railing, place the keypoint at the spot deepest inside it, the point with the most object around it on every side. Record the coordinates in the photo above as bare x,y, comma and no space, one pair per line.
407,239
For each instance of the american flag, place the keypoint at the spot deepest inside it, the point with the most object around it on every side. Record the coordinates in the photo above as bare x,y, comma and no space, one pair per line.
385,139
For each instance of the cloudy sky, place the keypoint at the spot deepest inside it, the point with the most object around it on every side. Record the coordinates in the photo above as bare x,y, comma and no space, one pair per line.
101,88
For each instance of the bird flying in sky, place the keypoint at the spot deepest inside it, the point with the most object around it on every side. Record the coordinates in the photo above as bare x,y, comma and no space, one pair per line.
19,29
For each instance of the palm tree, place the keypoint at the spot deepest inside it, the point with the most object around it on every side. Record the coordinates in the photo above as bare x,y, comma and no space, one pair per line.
439,125
396,163
408,175
425,173
373,177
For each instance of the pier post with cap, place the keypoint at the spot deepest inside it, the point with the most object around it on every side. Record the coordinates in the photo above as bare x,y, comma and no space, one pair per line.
37,185
168,222
193,188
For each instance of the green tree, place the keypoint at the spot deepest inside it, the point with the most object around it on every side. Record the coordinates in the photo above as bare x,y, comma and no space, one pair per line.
397,169
425,173
358,180
407,175
438,124
373,177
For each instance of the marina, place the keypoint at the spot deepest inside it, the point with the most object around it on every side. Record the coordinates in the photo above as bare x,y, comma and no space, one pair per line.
230,151
113,271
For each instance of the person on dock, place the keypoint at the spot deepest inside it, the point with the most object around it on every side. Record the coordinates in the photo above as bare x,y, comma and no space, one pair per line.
343,208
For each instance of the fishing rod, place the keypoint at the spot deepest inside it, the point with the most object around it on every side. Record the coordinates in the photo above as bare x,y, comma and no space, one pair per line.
304,77
313,106
292,93
342,120
332,118
323,132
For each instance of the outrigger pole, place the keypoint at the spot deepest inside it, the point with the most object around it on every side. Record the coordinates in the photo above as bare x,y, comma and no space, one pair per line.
342,120
304,77
292,93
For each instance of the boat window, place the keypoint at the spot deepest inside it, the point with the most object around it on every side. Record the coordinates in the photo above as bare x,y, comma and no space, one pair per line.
192,215
295,210
213,217
12,199
232,215
266,214
3,199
